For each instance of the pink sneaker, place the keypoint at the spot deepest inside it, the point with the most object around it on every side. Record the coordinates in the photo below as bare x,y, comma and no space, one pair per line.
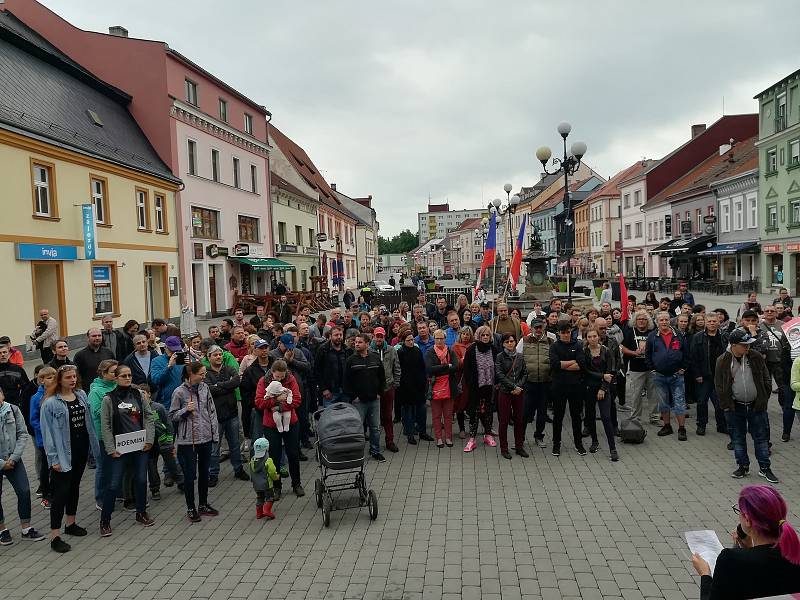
470,445
489,441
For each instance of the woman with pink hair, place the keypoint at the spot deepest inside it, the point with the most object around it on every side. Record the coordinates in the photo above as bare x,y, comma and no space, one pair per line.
766,558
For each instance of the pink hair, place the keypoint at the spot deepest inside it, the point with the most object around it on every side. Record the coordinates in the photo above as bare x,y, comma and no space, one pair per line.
766,509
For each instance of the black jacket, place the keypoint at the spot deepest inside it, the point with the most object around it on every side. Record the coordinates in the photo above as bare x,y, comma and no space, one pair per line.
249,382
138,375
756,572
13,380
559,351
593,375
435,368
512,372
700,364
116,339
329,367
413,381
364,376
87,361
284,312
223,385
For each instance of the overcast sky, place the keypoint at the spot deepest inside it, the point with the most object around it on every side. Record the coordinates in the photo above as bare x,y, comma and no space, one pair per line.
450,99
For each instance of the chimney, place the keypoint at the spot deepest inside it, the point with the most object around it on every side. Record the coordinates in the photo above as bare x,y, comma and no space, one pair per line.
118,30
333,187
698,129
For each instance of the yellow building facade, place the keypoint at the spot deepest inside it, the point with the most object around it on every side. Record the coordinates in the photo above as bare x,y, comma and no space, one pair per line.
46,238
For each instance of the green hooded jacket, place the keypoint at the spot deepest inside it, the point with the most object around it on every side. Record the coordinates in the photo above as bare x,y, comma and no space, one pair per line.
97,390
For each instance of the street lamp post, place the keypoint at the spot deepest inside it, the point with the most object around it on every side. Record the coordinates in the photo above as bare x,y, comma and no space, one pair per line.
507,208
481,233
568,165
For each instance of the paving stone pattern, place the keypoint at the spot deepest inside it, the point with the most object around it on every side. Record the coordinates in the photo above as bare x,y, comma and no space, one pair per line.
450,526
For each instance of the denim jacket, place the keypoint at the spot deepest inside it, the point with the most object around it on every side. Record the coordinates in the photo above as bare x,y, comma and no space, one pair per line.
13,434
55,430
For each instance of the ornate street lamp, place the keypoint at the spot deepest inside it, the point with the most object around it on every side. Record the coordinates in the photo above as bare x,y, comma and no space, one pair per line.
568,165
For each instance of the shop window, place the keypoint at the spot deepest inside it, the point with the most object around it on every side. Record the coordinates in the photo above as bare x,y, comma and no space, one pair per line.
104,289
777,268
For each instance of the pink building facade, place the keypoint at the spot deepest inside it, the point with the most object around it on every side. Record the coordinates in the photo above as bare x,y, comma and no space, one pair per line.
212,137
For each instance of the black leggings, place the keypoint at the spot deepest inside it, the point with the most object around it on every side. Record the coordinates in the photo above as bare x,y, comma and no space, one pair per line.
481,409
195,461
44,473
605,405
65,489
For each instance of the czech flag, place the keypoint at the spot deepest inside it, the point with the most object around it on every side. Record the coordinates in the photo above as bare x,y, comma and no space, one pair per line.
516,261
489,252
623,292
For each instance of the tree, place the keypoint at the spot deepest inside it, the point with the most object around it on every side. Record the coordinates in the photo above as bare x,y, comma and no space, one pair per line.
403,242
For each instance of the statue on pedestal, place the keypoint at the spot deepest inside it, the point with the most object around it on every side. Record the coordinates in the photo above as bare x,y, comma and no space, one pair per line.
537,285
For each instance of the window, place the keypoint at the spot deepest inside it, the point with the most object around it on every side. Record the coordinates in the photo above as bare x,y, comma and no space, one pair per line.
626,200
627,231
223,110
192,147
638,229
44,197
780,113
738,214
725,216
205,223
104,289
699,218
649,231
254,179
321,223
237,183
772,160
142,210
191,92
794,153
752,205
772,217
298,235
710,210
248,123
637,198
248,229
215,165
677,225
98,187
312,240
160,210
281,232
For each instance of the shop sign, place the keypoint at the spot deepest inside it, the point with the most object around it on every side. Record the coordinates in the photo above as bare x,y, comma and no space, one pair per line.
214,251
101,274
322,237
686,228
45,252
771,248
89,231
617,249
241,250
793,247
668,226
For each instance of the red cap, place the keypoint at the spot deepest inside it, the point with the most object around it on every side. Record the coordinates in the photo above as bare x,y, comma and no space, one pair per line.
379,331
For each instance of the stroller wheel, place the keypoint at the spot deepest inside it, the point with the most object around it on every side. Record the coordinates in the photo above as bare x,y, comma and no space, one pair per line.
326,512
372,501
318,492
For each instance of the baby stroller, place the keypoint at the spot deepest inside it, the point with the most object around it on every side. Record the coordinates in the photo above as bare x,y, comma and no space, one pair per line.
340,453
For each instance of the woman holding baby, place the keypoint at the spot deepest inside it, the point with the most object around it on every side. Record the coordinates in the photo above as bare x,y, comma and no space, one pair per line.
278,396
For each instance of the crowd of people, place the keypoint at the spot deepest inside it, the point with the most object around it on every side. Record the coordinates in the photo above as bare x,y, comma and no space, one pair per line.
248,391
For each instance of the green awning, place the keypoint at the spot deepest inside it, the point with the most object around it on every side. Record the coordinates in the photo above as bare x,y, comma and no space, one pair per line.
264,264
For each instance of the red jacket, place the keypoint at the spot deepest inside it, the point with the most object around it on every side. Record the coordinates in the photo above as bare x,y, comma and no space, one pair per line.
239,352
266,404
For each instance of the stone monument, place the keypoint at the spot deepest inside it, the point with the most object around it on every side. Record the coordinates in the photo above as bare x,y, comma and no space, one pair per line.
537,285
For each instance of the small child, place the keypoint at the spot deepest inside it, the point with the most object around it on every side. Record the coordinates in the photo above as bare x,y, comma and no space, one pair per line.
263,474
281,411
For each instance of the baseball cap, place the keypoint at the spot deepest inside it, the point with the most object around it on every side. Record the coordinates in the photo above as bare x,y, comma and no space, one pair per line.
485,304
260,448
5,339
741,336
749,314
287,339
379,331
537,322
261,344
173,343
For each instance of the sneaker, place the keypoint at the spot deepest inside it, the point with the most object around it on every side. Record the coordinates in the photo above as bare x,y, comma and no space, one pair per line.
144,519
506,454
489,441
193,516
623,408
426,437
213,481
240,474
5,538
75,530
156,494
302,457
701,430
522,452
585,432
39,492
129,505
665,430
785,437
768,475
284,471
730,446
276,494
105,529
541,443
378,456
412,440
655,419
207,510
594,447
392,447
614,456
299,491
740,472
580,450
556,449
46,504
471,443
32,535
462,435
682,434
59,545
91,463
224,456
168,481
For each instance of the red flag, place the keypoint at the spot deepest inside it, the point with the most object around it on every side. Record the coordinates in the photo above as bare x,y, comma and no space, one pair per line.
516,261
489,252
623,292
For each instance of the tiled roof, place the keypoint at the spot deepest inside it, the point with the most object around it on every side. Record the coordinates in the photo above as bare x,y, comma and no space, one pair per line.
47,95
281,183
743,157
467,224
611,187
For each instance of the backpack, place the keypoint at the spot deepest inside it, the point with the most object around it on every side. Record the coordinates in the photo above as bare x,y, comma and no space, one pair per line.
631,431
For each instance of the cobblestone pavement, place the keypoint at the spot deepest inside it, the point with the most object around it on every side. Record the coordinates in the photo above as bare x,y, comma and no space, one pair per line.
450,526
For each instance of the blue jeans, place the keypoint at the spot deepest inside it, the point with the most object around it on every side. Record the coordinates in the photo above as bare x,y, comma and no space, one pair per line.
705,391
370,413
671,393
740,419
335,397
536,406
101,475
229,429
18,478
415,419
115,467
788,411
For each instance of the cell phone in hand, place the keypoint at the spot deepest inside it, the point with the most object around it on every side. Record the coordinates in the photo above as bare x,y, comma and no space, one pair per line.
740,532
180,358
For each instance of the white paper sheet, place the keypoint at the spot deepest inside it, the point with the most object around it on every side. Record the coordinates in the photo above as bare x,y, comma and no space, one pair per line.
706,544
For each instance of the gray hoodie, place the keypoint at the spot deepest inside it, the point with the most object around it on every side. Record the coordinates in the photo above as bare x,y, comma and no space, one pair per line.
13,435
199,426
